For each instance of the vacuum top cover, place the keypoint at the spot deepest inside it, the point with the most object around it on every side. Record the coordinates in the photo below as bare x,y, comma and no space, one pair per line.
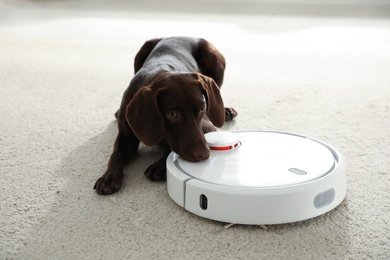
266,159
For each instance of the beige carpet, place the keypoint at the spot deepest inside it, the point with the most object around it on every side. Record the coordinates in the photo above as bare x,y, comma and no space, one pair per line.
316,68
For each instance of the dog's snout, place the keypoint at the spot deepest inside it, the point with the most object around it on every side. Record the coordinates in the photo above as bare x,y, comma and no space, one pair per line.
194,153
201,155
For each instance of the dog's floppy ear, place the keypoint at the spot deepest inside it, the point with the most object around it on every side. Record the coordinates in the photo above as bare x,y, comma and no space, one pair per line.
144,117
215,106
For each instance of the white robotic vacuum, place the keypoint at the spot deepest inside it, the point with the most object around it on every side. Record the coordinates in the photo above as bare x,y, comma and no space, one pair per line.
259,178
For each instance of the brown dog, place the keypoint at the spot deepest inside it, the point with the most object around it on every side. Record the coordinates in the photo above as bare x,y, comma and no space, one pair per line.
175,86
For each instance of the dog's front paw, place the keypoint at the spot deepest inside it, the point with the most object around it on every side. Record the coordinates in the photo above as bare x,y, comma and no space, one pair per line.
157,171
230,113
109,183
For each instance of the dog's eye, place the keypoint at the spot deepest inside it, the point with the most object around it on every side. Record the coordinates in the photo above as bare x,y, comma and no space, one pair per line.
203,109
172,115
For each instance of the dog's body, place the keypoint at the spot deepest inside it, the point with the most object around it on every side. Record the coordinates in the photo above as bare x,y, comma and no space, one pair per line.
176,84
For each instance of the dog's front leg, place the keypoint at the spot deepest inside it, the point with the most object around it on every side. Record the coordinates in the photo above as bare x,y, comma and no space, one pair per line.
125,148
158,170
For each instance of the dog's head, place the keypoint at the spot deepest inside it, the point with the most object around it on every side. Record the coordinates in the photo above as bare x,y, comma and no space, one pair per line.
172,108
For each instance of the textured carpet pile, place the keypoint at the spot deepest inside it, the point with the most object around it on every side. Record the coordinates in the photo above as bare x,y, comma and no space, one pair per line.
62,75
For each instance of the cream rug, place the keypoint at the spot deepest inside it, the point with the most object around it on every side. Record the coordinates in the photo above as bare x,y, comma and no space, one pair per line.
313,68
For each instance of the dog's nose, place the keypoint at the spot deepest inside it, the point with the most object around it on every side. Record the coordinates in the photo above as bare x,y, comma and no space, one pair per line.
201,155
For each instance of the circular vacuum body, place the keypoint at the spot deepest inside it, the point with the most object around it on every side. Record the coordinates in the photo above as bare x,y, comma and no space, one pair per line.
259,177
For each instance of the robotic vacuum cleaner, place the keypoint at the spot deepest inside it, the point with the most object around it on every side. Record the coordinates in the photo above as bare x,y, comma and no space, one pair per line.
259,178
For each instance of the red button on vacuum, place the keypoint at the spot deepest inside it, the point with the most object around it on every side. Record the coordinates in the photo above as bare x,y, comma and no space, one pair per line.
224,148
222,141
